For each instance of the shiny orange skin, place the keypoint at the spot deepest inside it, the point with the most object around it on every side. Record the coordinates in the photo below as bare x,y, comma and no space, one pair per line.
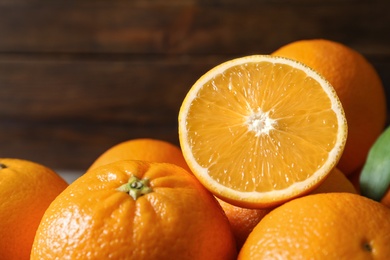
26,190
358,86
336,181
322,226
144,149
242,220
178,219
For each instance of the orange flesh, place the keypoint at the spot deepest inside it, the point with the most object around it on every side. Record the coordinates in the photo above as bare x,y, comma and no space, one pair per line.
272,124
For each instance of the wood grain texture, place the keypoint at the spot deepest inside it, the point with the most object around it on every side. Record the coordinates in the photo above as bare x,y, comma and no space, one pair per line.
77,77
191,28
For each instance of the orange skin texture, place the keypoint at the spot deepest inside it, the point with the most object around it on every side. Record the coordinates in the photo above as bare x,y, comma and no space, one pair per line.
144,149
244,220
336,181
358,86
322,226
92,219
26,190
386,199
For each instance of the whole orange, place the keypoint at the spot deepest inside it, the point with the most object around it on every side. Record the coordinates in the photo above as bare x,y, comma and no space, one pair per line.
244,220
144,149
26,190
135,210
322,226
358,86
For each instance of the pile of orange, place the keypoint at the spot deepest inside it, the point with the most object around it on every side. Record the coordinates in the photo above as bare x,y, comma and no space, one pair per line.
270,151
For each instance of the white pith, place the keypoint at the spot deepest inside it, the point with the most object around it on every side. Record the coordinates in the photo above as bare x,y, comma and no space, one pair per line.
260,122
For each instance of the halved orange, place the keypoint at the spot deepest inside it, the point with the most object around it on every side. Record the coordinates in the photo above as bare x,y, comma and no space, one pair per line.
260,130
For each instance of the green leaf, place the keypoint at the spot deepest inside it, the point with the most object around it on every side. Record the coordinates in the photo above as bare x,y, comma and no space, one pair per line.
375,176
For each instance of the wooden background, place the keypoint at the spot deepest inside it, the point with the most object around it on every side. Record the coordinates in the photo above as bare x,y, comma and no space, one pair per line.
77,77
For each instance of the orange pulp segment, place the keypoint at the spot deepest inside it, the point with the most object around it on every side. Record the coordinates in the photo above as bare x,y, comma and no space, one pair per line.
260,130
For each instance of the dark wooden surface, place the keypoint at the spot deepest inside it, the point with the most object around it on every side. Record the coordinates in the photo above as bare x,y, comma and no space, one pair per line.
77,77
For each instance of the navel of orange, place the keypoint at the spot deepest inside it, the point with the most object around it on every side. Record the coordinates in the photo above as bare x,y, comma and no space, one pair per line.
260,130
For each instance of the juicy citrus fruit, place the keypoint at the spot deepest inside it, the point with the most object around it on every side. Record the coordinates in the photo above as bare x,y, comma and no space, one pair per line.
322,226
260,130
144,149
135,210
358,86
244,220
26,190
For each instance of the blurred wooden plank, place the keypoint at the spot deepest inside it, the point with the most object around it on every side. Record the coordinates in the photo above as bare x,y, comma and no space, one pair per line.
70,145
77,77
191,27
139,90
64,112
